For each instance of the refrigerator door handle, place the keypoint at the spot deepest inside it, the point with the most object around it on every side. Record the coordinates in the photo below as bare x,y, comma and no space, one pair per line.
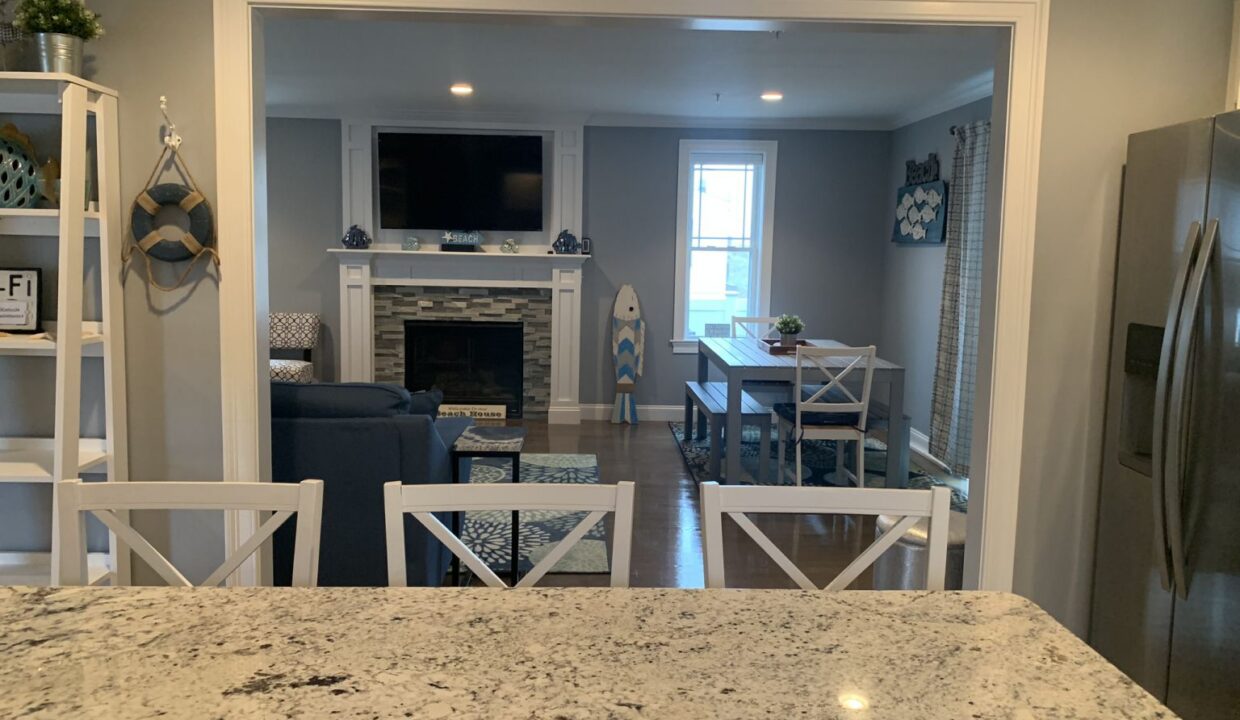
1176,425
1174,311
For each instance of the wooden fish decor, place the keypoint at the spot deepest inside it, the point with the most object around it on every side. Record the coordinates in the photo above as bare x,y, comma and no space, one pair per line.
628,345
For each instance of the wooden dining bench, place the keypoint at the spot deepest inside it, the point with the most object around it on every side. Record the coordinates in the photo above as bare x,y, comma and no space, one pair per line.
711,400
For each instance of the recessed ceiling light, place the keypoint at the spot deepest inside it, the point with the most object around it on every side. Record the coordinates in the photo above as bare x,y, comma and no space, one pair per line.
772,96
462,89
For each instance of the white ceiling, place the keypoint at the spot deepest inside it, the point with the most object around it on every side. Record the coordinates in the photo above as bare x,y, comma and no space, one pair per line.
621,73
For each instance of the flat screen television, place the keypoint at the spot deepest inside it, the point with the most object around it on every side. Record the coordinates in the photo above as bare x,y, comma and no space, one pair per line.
460,182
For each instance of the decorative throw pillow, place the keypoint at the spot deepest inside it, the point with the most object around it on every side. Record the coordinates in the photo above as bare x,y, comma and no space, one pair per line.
426,402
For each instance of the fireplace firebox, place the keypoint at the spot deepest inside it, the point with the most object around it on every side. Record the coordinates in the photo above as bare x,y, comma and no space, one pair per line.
473,363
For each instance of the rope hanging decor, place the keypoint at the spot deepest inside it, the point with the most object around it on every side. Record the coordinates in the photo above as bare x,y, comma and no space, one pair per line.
144,230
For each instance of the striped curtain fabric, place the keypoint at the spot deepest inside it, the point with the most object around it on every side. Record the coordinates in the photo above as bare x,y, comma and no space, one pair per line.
951,414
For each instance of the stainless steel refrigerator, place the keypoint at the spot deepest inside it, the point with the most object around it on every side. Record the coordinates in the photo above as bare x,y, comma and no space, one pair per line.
1166,599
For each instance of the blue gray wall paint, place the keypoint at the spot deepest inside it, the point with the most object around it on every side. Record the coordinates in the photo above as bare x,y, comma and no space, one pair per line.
304,220
172,339
1141,75
831,194
913,274
831,202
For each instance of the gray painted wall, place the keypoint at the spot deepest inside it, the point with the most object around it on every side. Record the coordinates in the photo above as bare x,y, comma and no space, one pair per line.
913,274
829,198
304,219
1113,67
172,342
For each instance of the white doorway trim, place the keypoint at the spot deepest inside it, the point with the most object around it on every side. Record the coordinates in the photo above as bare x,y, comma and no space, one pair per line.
241,169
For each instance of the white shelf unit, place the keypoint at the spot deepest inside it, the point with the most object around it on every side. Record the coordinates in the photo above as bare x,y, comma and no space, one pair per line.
35,568
44,344
41,222
65,454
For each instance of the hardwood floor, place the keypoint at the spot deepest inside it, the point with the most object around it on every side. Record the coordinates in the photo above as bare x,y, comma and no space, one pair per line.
667,549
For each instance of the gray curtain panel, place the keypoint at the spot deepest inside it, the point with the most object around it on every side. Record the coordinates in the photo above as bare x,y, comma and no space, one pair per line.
951,414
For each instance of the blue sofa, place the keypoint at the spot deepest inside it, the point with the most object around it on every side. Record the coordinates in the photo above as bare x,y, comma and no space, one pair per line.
356,437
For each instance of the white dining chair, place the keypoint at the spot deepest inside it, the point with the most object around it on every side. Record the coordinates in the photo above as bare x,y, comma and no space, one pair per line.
75,499
758,328
908,505
422,501
829,409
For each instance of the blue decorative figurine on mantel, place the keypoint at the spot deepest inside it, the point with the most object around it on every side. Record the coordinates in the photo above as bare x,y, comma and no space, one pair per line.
566,244
355,238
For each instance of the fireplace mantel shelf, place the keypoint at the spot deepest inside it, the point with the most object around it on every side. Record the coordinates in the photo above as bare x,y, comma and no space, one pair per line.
483,256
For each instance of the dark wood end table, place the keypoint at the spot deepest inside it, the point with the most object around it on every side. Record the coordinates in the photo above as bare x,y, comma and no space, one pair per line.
484,442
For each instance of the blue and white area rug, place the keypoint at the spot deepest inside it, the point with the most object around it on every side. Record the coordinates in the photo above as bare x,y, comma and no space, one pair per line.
489,533
817,463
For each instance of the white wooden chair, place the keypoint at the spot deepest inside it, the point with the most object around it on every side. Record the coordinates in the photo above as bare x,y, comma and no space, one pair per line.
757,328
74,499
831,411
422,501
909,505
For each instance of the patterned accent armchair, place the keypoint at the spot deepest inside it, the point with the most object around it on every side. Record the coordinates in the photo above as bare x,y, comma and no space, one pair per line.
294,332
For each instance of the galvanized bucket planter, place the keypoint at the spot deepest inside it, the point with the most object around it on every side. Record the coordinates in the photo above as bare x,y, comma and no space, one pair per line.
59,53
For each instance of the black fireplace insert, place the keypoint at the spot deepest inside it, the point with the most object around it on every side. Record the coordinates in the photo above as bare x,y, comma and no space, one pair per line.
473,363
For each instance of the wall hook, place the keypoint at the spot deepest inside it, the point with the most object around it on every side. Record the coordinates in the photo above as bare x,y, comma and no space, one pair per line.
171,138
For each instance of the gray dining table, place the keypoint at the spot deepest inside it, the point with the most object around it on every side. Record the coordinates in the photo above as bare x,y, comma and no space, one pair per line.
742,359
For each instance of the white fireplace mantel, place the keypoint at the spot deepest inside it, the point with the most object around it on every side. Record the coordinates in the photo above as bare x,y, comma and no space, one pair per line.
362,270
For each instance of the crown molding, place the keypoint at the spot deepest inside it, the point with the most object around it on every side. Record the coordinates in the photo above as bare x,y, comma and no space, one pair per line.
322,112
970,90
967,91
732,123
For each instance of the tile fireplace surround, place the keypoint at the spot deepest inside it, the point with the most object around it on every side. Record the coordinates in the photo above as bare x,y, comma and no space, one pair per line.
531,307
381,286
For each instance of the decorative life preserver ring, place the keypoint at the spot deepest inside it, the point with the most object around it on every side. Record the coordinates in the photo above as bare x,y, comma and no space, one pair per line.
147,236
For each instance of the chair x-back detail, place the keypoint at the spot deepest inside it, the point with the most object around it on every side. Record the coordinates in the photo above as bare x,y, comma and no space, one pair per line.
757,328
422,501
75,499
909,505
830,410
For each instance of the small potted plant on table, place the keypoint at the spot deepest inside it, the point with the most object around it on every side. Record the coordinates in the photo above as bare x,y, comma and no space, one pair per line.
789,327
60,29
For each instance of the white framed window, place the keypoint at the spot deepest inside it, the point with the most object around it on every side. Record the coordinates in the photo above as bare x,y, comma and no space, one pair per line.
724,236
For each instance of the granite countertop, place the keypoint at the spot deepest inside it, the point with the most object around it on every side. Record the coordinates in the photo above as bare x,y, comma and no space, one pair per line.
546,653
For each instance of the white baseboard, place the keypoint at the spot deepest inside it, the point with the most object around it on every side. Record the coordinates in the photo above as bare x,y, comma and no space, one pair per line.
919,443
662,413
565,415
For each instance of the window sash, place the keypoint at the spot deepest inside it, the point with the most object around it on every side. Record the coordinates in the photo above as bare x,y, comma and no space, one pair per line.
747,171
749,166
